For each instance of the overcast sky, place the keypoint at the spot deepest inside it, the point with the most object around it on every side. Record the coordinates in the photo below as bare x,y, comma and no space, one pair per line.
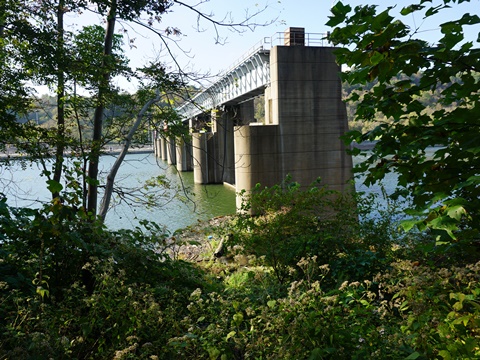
204,55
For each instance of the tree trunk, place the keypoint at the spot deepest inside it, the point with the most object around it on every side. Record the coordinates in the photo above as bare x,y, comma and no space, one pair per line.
2,24
98,117
113,171
57,171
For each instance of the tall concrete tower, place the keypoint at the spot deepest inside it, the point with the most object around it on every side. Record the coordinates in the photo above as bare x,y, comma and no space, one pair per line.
304,119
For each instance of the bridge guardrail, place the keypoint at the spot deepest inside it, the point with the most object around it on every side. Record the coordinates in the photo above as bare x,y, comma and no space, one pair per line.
310,39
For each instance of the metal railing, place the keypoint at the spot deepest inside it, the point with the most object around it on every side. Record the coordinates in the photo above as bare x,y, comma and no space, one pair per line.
278,39
259,51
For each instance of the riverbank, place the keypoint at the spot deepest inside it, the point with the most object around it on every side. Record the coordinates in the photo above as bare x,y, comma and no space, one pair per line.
198,242
11,153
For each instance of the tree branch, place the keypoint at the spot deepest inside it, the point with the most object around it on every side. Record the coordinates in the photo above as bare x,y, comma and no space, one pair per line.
128,139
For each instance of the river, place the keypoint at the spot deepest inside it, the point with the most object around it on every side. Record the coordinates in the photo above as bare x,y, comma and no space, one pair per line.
24,187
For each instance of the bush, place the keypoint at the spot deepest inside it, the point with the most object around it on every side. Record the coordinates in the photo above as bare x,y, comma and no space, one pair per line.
72,289
293,223
352,288
408,312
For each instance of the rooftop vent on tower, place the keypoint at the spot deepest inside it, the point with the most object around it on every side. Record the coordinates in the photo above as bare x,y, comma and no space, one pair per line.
295,36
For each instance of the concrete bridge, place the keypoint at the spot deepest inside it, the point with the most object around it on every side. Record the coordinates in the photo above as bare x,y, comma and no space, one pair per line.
304,118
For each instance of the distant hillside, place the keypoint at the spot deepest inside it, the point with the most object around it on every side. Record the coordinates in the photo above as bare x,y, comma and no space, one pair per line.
430,98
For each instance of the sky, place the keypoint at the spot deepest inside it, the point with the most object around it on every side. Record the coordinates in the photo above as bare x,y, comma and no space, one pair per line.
198,50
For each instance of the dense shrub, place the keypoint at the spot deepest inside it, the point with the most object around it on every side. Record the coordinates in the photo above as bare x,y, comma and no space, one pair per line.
72,289
291,223
351,287
411,311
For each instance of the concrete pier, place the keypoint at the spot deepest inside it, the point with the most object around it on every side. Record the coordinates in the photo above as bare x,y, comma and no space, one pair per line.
305,117
184,155
171,151
163,148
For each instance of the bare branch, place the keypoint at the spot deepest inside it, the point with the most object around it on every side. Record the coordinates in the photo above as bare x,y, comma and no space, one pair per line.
128,139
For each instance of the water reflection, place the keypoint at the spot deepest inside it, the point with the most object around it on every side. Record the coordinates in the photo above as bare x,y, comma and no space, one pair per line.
185,204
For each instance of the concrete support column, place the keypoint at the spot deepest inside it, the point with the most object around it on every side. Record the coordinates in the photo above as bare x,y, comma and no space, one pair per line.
256,157
163,148
223,135
184,155
213,152
305,99
304,118
200,158
156,148
171,151
243,114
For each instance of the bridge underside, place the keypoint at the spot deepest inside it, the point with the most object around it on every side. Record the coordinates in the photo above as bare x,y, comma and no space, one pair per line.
304,118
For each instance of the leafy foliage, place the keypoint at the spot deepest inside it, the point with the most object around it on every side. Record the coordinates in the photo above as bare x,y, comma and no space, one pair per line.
433,318
38,49
362,292
314,275
382,50
292,223
87,62
70,288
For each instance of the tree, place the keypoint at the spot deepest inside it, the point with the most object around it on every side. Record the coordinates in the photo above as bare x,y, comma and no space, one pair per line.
131,11
64,60
13,91
382,50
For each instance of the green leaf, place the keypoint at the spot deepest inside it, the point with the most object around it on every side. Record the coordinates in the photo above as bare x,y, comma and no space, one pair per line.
237,318
462,320
54,186
213,353
444,223
411,8
376,58
271,304
471,344
468,19
413,356
316,354
339,12
364,303
445,354
456,212
383,19
231,334
434,10
42,292
458,306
